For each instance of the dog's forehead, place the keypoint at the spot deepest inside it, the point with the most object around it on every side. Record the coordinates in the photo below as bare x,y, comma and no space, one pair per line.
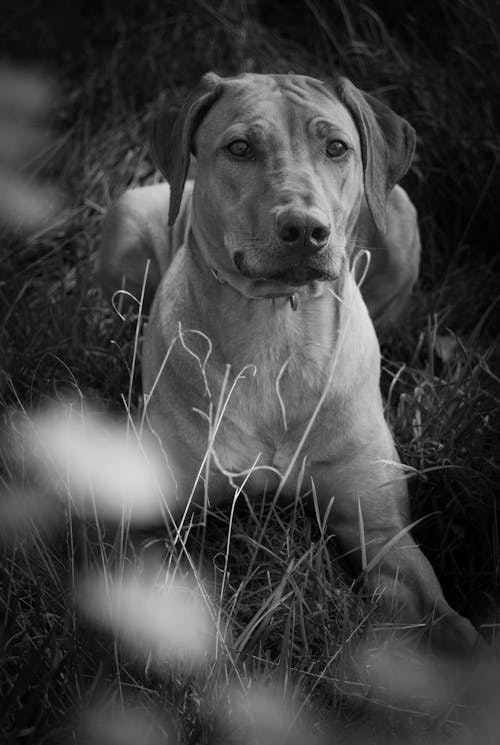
278,98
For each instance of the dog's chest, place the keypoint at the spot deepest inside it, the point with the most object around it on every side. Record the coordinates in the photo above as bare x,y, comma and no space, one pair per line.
278,371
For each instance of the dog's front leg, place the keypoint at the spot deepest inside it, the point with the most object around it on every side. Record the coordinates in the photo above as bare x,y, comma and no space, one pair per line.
369,516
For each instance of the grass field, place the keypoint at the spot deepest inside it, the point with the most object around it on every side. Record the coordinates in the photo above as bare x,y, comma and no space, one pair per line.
283,624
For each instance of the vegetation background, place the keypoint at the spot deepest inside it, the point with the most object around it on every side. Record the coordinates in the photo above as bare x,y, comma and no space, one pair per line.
436,63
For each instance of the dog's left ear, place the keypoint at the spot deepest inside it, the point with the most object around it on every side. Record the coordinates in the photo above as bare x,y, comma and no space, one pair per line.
172,133
387,145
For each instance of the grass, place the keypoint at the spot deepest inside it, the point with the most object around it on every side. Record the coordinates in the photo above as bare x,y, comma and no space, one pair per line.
291,622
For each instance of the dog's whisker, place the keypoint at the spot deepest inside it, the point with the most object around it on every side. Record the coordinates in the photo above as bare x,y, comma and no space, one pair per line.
253,264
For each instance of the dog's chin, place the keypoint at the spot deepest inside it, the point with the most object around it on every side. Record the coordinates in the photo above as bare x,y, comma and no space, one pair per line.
299,276
288,276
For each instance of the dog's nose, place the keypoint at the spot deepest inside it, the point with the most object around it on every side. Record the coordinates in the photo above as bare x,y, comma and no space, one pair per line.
307,230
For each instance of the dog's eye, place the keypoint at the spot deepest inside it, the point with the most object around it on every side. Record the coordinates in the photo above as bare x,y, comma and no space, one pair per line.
336,149
240,149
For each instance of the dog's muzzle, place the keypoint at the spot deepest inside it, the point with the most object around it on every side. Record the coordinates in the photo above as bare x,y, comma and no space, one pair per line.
264,289
302,232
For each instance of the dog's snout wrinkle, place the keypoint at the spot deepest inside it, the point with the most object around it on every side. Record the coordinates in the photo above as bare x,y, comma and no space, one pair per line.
307,230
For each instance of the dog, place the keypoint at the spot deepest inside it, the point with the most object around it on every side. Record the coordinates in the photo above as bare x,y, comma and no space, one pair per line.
261,363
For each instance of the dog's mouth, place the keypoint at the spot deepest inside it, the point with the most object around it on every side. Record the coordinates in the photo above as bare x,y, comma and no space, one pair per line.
295,275
298,276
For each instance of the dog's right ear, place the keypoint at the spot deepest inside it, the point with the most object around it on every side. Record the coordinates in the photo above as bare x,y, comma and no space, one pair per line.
172,135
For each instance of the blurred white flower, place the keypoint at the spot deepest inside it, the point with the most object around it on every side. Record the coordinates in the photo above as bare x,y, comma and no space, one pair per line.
399,675
27,97
24,205
99,465
165,620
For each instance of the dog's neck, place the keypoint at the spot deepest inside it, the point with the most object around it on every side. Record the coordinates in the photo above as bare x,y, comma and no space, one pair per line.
244,326
261,291
248,289
266,333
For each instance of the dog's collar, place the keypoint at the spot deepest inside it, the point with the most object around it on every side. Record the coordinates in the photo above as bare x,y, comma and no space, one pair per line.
246,287
255,289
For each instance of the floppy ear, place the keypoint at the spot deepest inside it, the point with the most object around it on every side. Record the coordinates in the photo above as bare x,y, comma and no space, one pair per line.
172,135
387,146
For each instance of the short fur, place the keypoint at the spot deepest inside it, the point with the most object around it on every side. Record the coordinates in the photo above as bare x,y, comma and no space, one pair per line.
299,354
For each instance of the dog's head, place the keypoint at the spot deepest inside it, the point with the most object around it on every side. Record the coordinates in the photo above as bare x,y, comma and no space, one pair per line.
282,164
